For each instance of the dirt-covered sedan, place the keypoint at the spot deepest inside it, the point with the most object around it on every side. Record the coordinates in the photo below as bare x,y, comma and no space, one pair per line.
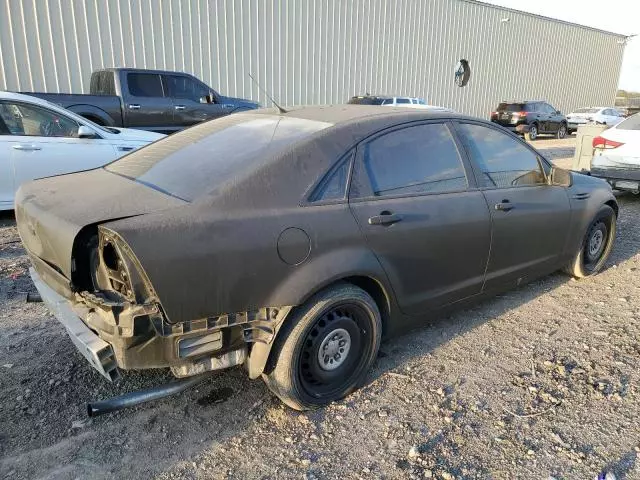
291,242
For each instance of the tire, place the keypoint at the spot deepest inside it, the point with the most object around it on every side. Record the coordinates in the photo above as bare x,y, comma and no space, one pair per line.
562,131
595,246
341,317
532,134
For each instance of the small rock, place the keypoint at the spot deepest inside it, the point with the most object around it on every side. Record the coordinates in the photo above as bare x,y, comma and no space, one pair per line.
80,423
288,440
599,333
382,413
623,299
428,474
530,452
447,476
19,398
8,365
366,470
306,462
413,452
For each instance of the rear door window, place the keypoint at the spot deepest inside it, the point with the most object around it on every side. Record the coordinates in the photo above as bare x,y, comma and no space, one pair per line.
413,160
333,187
503,160
145,85
402,100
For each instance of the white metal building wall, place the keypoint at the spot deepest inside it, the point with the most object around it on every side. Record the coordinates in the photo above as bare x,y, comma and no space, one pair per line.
314,51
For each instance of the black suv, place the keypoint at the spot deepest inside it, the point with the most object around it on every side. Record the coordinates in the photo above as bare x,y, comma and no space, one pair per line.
532,118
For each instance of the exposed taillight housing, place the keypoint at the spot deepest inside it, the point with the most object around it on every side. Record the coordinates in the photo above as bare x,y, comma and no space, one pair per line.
604,143
521,114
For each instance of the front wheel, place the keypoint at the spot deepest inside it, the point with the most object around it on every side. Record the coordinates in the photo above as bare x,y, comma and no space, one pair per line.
532,134
327,348
596,245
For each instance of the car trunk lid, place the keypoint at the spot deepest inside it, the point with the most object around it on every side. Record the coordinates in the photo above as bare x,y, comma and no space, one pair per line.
50,212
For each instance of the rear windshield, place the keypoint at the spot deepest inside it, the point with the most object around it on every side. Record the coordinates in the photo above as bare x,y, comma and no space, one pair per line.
631,123
366,100
195,161
588,110
513,107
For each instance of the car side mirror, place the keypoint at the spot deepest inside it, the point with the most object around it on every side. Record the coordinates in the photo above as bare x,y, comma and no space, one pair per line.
558,112
85,132
206,99
560,177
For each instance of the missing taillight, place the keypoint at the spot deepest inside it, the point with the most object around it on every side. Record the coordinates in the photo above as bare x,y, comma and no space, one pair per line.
110,256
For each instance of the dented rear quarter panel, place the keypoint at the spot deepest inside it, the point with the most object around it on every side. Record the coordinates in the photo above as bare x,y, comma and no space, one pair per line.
204,262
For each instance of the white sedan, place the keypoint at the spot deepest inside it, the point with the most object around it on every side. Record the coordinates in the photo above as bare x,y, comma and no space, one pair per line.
39,139
616,155
603,115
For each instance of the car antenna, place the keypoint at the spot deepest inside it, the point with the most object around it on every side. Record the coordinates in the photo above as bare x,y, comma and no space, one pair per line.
280,109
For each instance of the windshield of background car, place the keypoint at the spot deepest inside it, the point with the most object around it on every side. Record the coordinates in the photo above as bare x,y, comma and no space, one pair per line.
512,107
631,123
195,161
587,110
366,101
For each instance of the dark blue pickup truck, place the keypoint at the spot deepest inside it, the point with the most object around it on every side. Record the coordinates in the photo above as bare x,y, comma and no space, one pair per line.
155,100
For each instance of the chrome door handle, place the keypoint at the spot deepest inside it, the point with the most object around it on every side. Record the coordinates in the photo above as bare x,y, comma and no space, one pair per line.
134,106
385,218
179,107
504,206
27,148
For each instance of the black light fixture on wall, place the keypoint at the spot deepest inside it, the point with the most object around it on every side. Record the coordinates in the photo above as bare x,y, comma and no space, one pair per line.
463,73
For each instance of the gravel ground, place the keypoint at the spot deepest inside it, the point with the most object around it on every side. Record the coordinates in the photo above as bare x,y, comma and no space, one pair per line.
542,381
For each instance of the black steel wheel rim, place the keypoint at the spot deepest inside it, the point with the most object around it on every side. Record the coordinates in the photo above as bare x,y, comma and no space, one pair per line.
595,244
330,332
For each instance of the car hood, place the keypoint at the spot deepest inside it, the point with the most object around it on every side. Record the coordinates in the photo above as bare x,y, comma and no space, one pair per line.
50,212
240,103
131,134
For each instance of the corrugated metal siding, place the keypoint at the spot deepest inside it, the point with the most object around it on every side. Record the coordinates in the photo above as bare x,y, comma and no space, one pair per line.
314,51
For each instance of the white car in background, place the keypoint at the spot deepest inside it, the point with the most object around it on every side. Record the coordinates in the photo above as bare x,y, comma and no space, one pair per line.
40,139
616,155
411,102
603,115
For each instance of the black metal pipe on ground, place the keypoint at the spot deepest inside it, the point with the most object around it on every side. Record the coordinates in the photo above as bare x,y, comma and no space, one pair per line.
101,407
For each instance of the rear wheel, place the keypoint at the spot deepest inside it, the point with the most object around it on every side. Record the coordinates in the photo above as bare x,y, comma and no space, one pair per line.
562,131
328,347
596,244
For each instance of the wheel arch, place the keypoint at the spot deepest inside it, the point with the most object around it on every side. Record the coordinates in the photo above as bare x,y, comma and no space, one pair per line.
95,114
262,356
614,205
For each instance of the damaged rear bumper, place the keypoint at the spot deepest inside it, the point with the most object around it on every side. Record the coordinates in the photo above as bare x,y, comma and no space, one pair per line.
97,352
113,335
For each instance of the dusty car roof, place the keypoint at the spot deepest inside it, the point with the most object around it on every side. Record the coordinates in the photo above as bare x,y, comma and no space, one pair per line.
346,113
